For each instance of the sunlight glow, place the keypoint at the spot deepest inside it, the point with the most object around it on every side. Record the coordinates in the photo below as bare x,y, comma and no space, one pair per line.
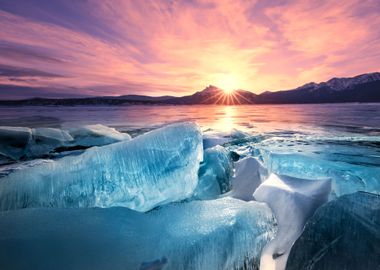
228,82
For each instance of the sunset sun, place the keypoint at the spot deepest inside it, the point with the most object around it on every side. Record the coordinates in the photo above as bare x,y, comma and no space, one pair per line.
228,83
228,91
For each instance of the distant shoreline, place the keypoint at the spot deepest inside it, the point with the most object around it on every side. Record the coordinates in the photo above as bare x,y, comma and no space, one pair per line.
27,104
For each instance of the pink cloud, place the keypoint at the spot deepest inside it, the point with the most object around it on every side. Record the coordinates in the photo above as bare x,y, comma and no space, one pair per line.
162,47
334,35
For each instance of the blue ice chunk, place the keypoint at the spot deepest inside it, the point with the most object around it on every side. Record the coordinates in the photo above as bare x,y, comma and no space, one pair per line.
155,168
214,173
221,234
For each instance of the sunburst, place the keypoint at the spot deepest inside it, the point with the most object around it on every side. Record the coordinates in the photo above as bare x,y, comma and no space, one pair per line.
227,98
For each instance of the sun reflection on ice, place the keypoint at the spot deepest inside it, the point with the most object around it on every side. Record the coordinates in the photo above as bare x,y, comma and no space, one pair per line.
226,121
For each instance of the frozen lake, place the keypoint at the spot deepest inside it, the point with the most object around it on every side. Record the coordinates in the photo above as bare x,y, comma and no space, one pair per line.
327,118
337,142
348,133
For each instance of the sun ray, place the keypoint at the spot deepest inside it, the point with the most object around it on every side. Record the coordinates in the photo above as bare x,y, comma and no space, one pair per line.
211,97
235,97
228,99
242,97
220,97
224,99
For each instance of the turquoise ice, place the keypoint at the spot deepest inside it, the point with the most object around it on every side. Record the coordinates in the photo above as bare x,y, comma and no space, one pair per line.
221,234
214,174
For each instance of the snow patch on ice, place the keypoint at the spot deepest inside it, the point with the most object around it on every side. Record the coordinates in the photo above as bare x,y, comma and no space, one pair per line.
293,201
249,173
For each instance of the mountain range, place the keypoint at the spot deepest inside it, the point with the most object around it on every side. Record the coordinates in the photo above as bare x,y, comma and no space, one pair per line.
361,88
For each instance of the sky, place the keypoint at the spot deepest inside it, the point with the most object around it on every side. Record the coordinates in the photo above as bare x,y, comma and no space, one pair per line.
67,48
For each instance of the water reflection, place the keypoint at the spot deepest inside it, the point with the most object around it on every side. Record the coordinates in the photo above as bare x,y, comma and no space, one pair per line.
226,120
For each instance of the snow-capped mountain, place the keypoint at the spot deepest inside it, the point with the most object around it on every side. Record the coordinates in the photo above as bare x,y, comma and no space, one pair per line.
361,88
344,83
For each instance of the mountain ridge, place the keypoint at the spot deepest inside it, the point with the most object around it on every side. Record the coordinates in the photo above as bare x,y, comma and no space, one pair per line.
360,88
